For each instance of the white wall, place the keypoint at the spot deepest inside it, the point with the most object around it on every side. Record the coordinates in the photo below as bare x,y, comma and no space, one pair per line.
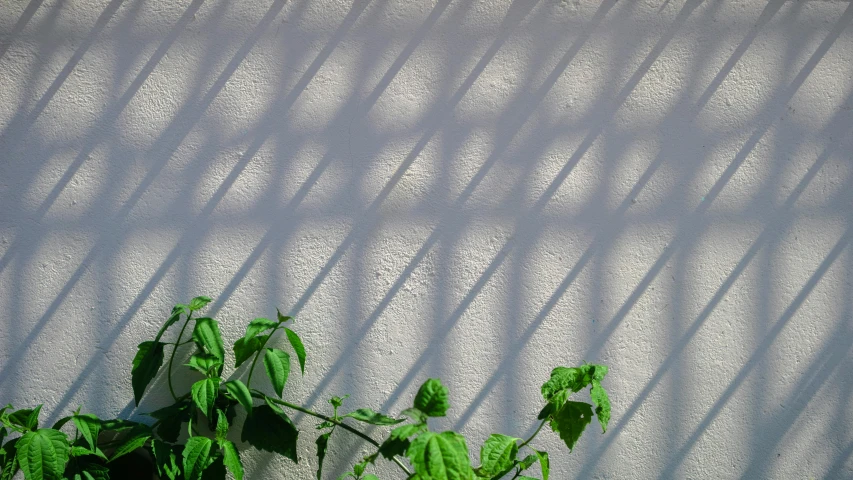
475,190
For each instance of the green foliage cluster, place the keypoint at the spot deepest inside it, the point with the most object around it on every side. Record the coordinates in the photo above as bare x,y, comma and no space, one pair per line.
206,414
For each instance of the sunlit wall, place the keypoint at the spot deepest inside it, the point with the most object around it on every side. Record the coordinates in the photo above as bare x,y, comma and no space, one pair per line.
472,190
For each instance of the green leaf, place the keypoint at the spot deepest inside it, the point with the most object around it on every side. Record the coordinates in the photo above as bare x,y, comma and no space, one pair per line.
563,382
198,303
26,418
118,425
196,457
298,347
231,459
267,429
240,392
338,401
602,404
166,459
206,335
370,476
205,363
94,471
259,325
134,439
277,364
527,462
367,415
497,456
440,456
8,461
61,422
282,318
322,446
244,348
415,414
89,426
172,419
42,454
544,463
146,363
571,420
432,398
204,394
398,441
221,426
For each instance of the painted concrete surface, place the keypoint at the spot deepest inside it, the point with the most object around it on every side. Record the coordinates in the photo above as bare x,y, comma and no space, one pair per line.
474,190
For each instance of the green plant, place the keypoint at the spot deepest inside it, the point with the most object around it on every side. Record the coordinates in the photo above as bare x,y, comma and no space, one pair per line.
206,414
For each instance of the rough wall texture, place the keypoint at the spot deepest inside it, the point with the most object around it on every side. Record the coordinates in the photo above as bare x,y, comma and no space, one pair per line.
477,190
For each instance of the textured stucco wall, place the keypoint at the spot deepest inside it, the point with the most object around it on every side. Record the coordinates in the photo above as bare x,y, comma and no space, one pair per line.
476,190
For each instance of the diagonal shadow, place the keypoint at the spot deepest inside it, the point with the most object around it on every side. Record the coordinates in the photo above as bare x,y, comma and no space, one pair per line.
819,371
16,130
512,127
25,18
526,225
760,351
776,224
274,234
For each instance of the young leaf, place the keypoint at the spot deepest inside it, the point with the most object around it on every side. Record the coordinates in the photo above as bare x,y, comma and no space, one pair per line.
42,454
204,395
240,392
196,457
244,348
432,398
134,439
258,325
571,420
415,414
221,427
205,363
206,335
231,459
563,382
298,347
322,446
277,364
544,463
398,441
266,429
602,404
32,422
281,318
198,303
337,401
497,456
440,456
89,426
26,418
147,361
367,415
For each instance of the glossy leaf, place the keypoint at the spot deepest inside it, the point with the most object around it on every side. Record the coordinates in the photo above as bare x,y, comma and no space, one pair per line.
272,431
602,404
146,363
134,439
231,459
196,457
367,415
240,392
440,456
277,364
89,427
42,454
244,348
322,445
198,303
571,420
206,335
497,456
259,325
204,394
432,398
298,347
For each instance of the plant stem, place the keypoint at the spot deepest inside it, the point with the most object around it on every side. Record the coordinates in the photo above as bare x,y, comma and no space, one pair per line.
534,434
339,423
172,357
258,354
